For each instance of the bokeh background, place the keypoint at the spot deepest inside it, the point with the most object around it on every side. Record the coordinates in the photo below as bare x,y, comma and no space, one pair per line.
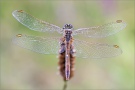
21,69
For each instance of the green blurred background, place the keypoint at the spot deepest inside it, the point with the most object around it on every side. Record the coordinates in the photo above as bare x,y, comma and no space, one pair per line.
23,69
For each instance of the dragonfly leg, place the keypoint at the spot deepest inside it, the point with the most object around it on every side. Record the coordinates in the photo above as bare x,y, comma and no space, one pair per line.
62,46
62,49
72,51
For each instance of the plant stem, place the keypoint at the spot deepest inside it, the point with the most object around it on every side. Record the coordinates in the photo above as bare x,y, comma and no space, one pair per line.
65,85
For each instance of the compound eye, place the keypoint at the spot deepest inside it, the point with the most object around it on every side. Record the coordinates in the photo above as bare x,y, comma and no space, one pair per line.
66,26
70,26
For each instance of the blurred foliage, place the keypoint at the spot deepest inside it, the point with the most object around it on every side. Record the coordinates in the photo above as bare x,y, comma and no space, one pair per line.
23,69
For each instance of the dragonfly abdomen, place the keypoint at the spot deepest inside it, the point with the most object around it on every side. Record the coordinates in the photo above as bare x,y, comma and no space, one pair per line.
62,65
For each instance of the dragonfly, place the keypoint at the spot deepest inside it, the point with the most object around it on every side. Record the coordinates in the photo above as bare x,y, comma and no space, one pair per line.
66,46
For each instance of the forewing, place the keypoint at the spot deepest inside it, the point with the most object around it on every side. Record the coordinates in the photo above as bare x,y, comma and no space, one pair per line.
38,44
34,23
95,50
101,31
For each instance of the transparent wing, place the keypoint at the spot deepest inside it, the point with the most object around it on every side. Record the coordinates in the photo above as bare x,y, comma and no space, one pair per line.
101,31
38,44
34,23
95,50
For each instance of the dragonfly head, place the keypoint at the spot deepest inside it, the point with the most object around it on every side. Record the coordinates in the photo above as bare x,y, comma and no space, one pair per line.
68,29
68,26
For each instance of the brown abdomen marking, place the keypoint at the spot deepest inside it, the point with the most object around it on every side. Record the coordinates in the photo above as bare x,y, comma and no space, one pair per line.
62,65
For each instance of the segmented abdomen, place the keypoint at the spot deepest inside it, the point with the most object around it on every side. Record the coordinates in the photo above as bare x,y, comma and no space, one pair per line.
62,65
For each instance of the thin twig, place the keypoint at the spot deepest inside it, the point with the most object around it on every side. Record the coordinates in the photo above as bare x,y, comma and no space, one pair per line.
65,85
